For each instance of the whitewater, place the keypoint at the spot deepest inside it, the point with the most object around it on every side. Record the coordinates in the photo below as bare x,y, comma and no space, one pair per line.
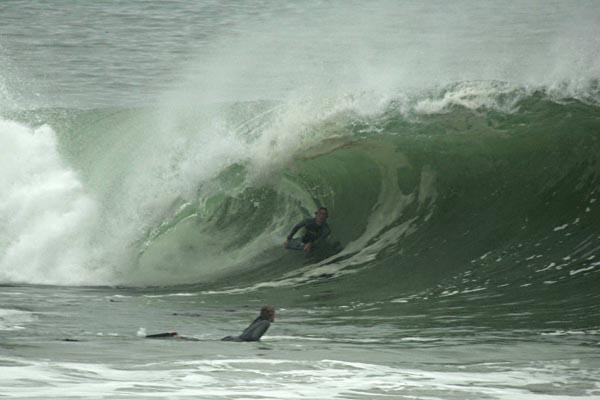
154,157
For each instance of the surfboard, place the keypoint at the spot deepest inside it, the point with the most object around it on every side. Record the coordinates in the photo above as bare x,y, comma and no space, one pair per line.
169,335
161,335
295,244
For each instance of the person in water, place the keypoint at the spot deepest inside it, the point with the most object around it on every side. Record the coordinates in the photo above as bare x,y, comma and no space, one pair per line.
315,231
257,328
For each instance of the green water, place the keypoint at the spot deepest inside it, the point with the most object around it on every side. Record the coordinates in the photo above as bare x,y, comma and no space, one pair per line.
156,155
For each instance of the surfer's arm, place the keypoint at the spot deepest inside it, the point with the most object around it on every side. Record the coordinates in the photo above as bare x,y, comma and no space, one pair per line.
295,229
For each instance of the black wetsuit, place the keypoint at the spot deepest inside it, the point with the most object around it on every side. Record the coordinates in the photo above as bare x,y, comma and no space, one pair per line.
252,333
314,233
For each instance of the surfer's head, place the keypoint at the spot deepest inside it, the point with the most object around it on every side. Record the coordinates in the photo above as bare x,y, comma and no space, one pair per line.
268,313
321,215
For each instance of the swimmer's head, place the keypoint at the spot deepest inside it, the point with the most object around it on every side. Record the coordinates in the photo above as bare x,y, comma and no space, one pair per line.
268,313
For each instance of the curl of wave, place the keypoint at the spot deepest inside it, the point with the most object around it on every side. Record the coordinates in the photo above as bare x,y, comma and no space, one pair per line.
472,187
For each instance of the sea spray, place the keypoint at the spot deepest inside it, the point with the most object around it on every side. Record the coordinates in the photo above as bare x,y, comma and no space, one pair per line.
46,214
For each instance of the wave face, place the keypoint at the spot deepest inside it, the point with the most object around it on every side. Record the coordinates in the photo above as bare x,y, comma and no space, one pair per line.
456,148
477,189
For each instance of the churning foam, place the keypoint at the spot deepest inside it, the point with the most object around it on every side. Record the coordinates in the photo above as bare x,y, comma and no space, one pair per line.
45,214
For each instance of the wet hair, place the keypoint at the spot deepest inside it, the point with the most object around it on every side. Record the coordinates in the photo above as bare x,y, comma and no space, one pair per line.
324,209
267,311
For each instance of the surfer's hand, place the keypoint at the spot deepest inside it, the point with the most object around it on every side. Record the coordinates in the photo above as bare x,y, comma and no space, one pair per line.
307,247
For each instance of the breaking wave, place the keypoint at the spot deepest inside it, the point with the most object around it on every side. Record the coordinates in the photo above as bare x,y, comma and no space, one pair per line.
463,189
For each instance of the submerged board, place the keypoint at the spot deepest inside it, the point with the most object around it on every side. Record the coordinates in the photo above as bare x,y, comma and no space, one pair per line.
168,335
161,335
295,244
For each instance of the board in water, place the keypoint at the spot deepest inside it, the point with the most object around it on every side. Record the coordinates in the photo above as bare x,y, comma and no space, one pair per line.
161,335
295,244
169,335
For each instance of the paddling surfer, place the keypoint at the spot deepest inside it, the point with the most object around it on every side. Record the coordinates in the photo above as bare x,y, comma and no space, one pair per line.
257,328
252,333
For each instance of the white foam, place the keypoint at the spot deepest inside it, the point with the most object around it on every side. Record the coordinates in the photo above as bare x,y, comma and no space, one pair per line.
171,295
560,228
283,379
322,339
571,332
447,293
45,213
12,320
477,289
580,270
473,95
549,266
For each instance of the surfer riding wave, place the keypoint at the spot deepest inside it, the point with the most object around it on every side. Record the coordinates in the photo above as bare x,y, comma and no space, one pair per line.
315,232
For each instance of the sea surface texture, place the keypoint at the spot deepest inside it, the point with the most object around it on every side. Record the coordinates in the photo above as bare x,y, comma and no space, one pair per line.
154,156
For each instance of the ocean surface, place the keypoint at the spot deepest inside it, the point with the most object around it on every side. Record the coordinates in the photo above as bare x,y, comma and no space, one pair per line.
154,156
